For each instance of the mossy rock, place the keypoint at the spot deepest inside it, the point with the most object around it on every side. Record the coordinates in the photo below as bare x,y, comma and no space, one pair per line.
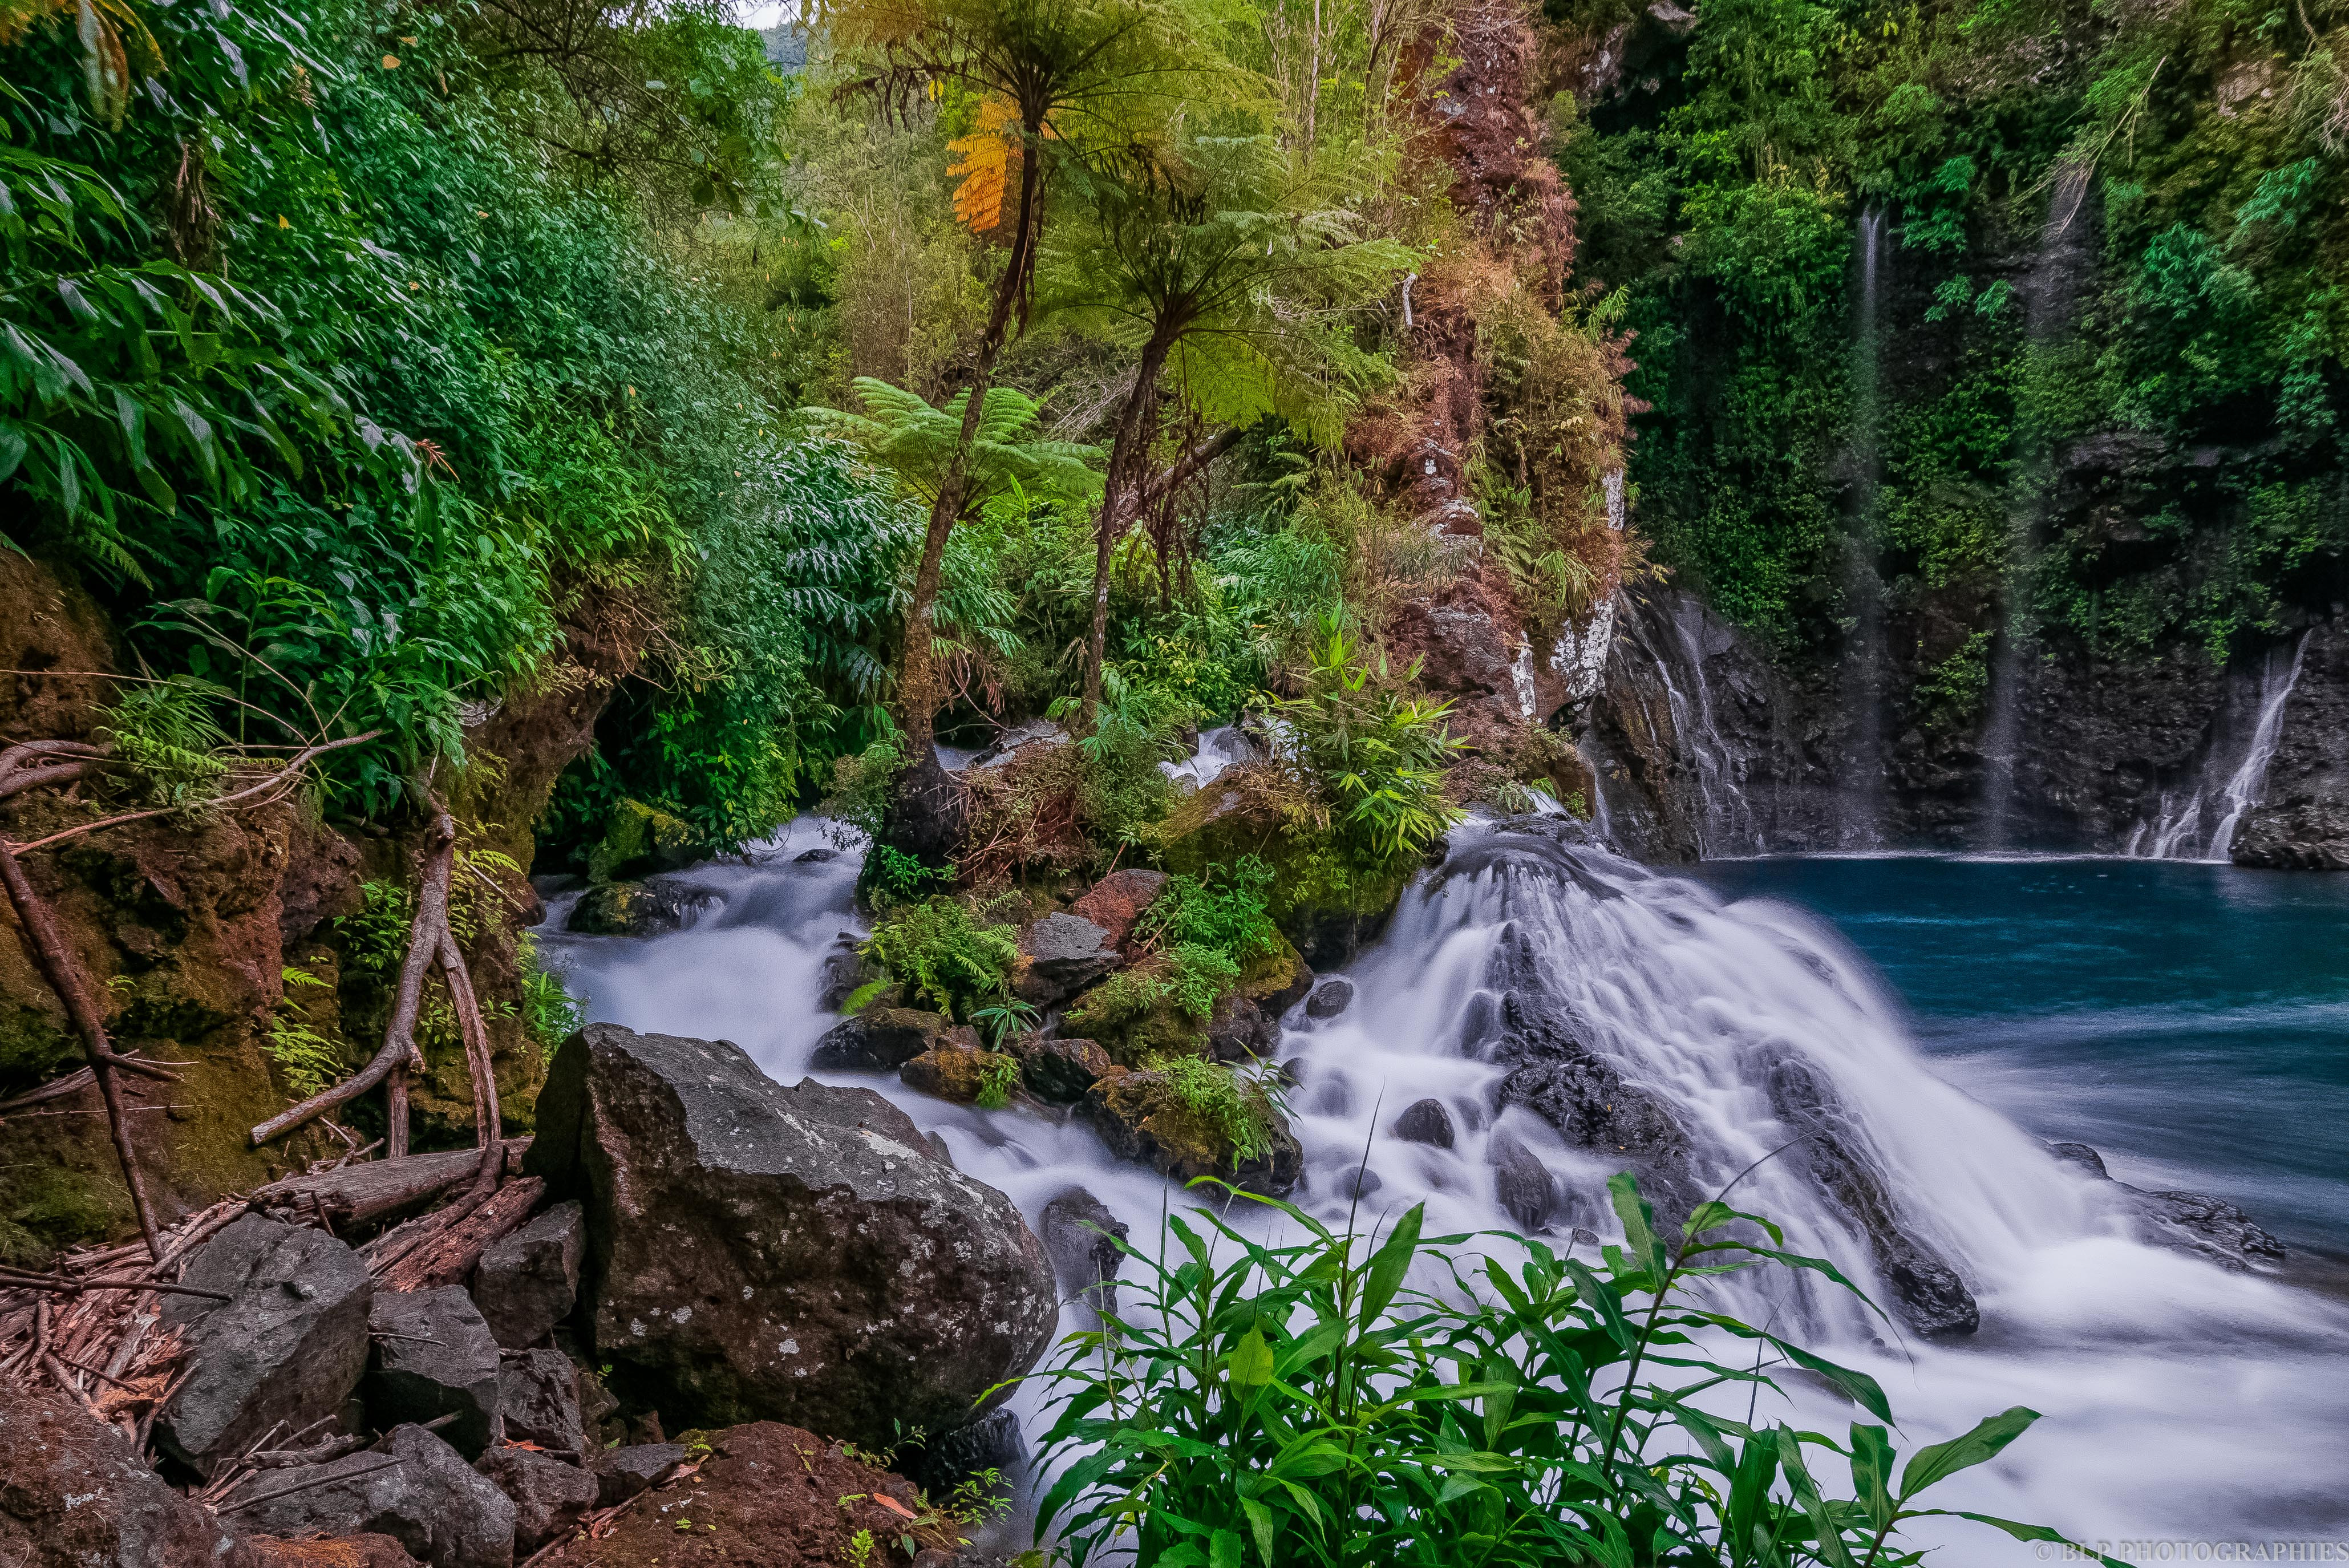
1140,1118
1328,906
639,840
954,1071
1108,1015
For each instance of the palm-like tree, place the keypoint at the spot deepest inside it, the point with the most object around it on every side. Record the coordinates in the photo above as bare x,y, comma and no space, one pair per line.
920,443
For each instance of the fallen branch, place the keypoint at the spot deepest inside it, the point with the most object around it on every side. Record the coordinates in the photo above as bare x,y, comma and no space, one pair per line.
305,1485
445,1252
355,1196
64,972
18,1279
289,774
398,1053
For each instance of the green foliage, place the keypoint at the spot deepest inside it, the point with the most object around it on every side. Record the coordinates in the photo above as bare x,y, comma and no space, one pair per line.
1124,996
1004,1019
308,1061
997,1079
1199,975
1224,912
1375,756
550,1013
937,949
917,443
164,732
1307,1404
1233,1112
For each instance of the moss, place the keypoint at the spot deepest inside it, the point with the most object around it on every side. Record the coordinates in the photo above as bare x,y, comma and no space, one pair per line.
638,839
1314,880
57,1208
35,1047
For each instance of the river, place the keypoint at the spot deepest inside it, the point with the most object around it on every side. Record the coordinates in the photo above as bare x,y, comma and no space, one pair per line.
2184,1019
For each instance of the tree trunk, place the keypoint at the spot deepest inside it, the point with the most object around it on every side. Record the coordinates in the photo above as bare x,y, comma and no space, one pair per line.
1129,455
918,666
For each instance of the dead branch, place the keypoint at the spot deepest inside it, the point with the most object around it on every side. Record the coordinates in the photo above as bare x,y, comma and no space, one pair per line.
398,1053
18,1279
278,780
306,1484
72,1083
354,1195
63,971
447,1255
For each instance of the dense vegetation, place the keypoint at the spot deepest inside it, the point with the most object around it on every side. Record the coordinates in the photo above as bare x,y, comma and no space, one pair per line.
1951,293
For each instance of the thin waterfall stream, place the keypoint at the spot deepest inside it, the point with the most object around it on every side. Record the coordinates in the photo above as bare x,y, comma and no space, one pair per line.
2180,1399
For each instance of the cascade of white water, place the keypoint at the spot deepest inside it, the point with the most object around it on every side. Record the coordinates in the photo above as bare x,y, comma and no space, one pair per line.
2176,831
2164,1377
1220,748
1864,821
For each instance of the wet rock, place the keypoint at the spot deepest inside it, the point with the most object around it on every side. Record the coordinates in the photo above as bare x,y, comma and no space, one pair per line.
757,1250
1330,998
432,1356
1082,1236
1117,901
927,811
2208,1227
638,909
816,856
1140,1118
623,1473
1929,1293
428,1499
639,840
2302,835
1239,1030
1425,1121
1523,1184
1061,955
1277,981
2081,1155
74,1493
845,970
529,1282
1360,1181
882,1040
550,1497
936,1144
939,1465
1058,1072
539,1391
956,1071
1590,1103
290,1347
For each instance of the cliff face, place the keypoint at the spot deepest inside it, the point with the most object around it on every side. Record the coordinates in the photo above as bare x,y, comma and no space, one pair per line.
1706,746
190,926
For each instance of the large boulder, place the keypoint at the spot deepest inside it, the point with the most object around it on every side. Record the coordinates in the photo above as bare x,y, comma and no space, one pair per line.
74,1493
1141,1116
432,1357
757,1250
550,1497
953,1070
539,1391
1425,1121
529,1282
639,909
1061,1071
289,1346
413,1487
2208,1227
1081,1235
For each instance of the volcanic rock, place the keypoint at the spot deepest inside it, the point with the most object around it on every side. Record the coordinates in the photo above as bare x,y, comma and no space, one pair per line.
1425,1121
432,1356
549,1497
1061,955
411,1487
529,1282
74,1493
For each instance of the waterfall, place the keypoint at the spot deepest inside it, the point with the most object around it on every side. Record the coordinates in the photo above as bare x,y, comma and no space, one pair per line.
1221,747
1864,815
2175,831
1715,1032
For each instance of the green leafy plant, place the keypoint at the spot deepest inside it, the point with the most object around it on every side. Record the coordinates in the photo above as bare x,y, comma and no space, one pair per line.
1223,909
164,733
939,950
1128,995
1279,1406
1199,976
1376,757
550,1013
997,1079
1235,1112
1005,1018
308,1061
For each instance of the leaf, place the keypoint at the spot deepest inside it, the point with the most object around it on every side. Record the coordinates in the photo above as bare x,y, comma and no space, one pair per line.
1639,1225
1261,1524
1871,1472
987,164
1964,1451
2019,1532
1250,1362
1389,1264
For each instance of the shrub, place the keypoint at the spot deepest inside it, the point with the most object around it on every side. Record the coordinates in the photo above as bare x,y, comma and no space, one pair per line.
1235,1114
1199,976
1296,1406
1374,757
939,950
1128,995
1230,919
308,1060
550,1013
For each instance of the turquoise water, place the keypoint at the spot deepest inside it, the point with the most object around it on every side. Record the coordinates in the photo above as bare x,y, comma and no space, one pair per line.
2192,1022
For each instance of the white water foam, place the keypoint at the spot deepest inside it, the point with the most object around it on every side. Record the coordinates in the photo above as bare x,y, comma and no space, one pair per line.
2175,831
2180,1400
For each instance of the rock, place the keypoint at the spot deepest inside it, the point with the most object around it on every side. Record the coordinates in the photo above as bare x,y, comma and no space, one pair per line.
549,1497
845,971
954,1070
623,1473
1278,981
638,839
2300,835
638,909
1359,1181
2081,1155
927,811
1331,997
529,1282
1082,1237
1061,955
1139,1119
939,1465
428,1499
74,1493
370,1550
882,1040
290,1347
1523,1184
539,1391
1117,901
1834,1151
1058,1072
755,1249
1425,1121
1240,1031
432,1357
2208,1227
1579,1092
936,1144
816,856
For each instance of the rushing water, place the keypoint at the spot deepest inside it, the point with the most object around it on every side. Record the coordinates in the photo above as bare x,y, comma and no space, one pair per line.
2142,1015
